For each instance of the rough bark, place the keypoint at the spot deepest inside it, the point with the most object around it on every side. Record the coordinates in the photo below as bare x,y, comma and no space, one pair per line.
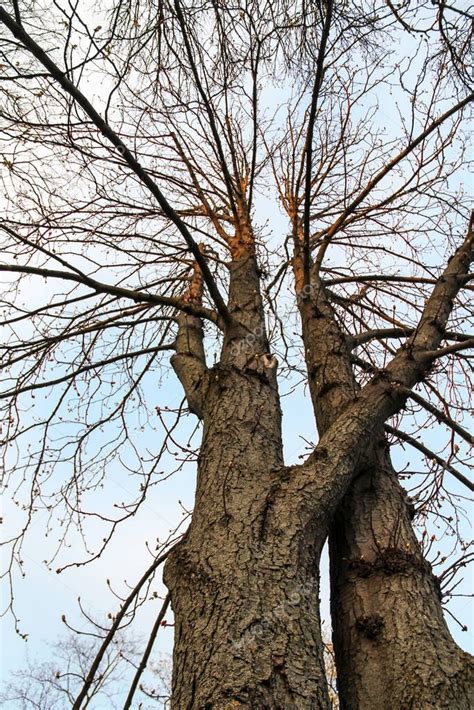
393,648
243,582
245,591
392,643
254,543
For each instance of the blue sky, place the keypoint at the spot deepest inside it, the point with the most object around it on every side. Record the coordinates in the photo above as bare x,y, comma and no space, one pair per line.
43,596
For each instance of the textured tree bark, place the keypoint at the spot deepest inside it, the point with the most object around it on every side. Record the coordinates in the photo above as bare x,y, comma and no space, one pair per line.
244,588
391,640
393,648
244,581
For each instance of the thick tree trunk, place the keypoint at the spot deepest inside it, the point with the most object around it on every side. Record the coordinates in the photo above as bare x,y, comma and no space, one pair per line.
244,581
392,645
393,648
244,591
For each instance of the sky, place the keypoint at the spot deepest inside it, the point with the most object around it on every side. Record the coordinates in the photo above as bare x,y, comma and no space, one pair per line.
43,596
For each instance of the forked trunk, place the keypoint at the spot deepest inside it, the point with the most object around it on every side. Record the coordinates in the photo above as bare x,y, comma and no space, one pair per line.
393,647
244,581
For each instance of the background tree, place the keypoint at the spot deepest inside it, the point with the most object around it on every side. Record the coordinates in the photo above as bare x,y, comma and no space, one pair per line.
55,684
143,156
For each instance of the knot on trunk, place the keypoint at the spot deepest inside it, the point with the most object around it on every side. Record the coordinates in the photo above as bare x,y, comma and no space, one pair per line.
391,560
184,570
370,626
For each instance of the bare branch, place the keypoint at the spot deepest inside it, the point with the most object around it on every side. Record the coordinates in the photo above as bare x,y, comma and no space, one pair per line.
430,454
99,287
308,153
328,234
441,416
449,349
115,626
59,76
146,655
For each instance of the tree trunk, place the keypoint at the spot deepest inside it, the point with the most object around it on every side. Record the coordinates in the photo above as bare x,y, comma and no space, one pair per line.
392,644
244,589
244,581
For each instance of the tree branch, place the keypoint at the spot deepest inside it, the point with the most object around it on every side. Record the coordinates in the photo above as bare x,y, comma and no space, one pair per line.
449,349
309,139
146,655
100,287
114,628
29,43
189,361
384,277
430,454
209,110
441,416
383,172
328,471
381,333
87,368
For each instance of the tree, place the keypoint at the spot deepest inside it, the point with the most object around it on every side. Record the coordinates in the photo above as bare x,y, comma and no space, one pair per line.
55,684
140,200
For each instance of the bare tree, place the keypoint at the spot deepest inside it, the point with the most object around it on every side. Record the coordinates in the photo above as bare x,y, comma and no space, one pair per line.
144,154
55,684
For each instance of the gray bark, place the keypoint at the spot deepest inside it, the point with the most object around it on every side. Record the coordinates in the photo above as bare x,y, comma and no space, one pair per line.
390,636
244,581
393,648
